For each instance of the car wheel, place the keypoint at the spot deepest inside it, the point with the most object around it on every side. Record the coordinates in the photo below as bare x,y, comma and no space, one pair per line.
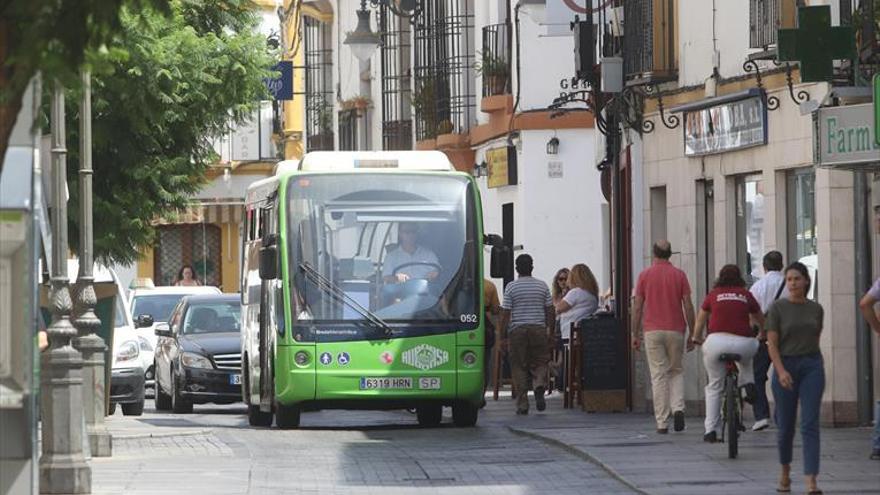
179,405
133,408
256,417
287,417
112,410
464,414
162,400
430,416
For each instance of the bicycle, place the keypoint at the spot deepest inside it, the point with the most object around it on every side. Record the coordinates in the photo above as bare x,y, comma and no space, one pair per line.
731,406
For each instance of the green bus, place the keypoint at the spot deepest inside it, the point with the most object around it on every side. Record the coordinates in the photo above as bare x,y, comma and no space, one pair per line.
362,288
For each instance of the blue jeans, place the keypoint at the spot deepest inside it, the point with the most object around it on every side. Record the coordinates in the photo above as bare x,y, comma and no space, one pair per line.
876,440
808,376
761,363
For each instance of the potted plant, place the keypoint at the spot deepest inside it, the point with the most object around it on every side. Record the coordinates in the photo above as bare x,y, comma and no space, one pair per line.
359,103
424,102
495,71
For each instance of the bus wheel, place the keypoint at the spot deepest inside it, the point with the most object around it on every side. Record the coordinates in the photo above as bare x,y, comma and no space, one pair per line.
464,413
256,417
287,417
430,415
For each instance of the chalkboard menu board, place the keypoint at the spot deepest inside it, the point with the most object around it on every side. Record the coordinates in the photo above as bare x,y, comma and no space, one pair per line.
604,362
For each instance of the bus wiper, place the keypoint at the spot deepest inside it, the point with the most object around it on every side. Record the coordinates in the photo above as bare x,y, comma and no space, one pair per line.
334,290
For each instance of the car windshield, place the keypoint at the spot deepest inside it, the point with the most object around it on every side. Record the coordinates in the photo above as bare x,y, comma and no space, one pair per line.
399,246
159,306
212,317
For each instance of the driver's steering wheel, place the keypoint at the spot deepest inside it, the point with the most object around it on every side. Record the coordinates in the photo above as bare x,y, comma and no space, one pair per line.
416,263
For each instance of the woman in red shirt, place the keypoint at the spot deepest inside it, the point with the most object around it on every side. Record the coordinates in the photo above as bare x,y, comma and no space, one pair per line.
730,310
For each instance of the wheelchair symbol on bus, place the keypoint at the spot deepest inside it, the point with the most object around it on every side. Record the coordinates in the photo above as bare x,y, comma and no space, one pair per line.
343,358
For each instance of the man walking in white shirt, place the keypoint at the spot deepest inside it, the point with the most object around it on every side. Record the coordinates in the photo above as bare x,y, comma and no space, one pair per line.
766,291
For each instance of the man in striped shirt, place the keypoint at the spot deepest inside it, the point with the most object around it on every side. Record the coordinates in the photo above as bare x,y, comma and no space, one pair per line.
527,311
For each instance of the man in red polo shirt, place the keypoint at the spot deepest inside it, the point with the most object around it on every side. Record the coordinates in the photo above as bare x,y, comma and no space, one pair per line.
663,297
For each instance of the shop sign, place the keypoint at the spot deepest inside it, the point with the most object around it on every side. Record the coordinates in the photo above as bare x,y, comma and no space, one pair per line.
501,163
725,127
844,135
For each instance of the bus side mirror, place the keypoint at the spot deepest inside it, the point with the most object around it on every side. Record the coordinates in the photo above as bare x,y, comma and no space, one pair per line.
493,240
501,262
268,262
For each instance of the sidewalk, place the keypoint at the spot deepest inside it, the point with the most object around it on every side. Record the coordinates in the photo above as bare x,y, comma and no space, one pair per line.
627,446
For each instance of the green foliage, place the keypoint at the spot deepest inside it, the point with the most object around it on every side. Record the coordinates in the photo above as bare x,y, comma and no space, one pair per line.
168,86
492,65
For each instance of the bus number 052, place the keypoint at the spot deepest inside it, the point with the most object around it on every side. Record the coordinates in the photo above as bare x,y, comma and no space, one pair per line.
470,318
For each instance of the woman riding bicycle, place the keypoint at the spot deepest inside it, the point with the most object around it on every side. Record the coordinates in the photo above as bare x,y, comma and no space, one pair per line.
729,307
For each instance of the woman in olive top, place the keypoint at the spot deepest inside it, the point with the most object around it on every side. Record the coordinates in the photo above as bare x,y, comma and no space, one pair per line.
794,325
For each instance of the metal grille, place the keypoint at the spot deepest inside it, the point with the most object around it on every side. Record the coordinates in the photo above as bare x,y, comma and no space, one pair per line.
444,92
763,22
319,84
348,135
230,362
197,245
495,59
396,81
649,38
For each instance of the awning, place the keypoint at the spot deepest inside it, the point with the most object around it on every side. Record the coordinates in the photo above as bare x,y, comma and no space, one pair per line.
218,212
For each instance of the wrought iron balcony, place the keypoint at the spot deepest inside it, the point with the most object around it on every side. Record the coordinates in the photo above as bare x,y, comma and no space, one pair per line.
494,60
649,41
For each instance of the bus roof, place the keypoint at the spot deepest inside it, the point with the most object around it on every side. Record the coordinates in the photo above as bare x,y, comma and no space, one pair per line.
332,161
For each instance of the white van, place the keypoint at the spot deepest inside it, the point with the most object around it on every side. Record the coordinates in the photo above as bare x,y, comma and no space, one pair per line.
132,352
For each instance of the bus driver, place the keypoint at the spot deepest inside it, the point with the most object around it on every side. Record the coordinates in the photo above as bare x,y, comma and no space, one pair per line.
409,260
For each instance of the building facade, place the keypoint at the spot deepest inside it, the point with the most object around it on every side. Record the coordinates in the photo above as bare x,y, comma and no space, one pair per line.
728,173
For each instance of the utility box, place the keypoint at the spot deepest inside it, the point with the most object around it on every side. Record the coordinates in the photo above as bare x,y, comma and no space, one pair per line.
19,371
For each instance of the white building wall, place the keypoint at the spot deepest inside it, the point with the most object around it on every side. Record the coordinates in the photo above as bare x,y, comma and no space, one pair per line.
559,221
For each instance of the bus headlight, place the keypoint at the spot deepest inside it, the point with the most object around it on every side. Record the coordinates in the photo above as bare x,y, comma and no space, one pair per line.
301,358
193,360
469,358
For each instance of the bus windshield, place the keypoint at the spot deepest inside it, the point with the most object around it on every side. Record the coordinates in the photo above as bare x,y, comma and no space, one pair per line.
397,249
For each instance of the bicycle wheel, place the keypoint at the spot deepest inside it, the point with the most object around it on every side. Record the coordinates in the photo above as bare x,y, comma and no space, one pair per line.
731,414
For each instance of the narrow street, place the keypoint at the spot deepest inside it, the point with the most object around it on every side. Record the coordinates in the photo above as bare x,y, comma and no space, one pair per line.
215,451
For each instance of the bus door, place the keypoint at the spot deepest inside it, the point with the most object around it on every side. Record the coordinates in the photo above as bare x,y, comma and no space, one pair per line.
267,322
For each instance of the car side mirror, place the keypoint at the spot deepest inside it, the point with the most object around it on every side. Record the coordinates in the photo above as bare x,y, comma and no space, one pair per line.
143,321
162,330
268,262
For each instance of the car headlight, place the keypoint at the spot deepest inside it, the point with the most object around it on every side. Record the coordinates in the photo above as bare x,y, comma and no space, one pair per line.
127,351
145,344
193,360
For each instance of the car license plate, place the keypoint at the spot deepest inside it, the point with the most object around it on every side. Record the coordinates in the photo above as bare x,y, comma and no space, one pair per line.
235,379
429,383
386,382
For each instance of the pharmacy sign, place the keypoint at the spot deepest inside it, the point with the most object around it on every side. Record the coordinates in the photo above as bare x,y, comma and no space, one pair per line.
845,135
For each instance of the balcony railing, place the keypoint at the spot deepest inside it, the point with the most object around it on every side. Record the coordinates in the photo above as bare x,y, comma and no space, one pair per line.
649,40
765,17
493,62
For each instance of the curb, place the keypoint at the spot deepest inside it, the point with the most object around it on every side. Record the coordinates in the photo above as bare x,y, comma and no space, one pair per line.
579,453
185,433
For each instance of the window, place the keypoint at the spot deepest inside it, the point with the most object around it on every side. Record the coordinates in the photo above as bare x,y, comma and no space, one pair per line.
396,81
443,97
705,235
765,17
319,84
348,126
800,192
750,214
495,59
649,39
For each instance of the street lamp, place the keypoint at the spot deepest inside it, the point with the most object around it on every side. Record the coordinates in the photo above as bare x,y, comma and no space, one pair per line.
363,41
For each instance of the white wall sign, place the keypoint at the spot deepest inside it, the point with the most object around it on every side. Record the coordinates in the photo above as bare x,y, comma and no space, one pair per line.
246,140
554,170
844,135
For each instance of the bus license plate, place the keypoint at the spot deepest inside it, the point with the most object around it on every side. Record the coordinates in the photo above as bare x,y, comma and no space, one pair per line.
235,379
429,383
380,383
